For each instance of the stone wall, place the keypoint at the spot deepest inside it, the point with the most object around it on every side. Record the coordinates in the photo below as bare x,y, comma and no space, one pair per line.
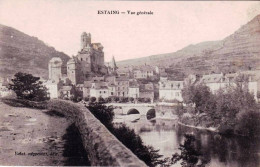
102,147
166,109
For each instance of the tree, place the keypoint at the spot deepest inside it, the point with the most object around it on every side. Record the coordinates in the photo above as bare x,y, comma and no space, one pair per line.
190,156
199,95
28,87
77,95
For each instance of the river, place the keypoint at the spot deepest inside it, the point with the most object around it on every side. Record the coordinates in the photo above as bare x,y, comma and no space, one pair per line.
221,151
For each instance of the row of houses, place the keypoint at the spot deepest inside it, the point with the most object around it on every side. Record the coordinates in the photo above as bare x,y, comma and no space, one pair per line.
167,89
105,86
171,89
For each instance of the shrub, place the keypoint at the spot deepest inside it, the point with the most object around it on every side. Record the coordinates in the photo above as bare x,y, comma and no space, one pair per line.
131,99
190,155
25,103
69,109
248,124
108,100
103,113
86,98
147,100
92,99
101,100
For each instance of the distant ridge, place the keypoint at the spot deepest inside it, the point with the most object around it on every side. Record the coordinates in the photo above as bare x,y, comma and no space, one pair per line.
239,51
21,52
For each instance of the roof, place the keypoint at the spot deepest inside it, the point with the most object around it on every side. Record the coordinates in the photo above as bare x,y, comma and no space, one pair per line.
66,88
80,85
55,60
122,79
211,78
87,84
123,70
145,68
133,84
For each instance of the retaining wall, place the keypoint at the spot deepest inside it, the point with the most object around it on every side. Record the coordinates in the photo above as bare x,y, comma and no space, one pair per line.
102,147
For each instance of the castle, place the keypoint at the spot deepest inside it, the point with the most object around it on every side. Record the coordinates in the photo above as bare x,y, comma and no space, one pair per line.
89,61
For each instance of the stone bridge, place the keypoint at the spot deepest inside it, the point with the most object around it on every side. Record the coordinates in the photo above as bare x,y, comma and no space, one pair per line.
131,108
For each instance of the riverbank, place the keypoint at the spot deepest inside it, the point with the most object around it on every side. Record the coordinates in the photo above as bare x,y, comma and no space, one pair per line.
212,129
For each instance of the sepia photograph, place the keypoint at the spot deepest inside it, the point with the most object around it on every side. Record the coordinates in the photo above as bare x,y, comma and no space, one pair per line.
130,83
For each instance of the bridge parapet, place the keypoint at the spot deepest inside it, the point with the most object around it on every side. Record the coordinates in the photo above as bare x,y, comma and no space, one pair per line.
102,147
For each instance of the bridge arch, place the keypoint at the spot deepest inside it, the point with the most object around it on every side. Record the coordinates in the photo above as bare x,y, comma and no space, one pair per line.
133,111
151,113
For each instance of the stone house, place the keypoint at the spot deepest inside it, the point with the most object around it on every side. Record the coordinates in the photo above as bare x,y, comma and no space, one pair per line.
170,90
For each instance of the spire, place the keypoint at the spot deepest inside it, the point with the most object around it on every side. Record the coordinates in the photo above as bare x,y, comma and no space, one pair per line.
113,63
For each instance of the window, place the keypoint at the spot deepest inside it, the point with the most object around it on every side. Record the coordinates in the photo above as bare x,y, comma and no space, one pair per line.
100,92
81,59
112,93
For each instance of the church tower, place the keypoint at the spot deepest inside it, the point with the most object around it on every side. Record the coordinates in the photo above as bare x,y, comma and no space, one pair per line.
113,64
112,68
85,40
54,66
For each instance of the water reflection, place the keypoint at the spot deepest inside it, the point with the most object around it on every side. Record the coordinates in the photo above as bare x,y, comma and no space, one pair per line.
222,151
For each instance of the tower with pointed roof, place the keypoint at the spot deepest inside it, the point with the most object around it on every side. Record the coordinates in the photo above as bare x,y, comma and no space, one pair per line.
112,69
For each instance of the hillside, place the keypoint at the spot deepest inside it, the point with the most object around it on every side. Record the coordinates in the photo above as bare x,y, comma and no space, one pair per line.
239,51
21,52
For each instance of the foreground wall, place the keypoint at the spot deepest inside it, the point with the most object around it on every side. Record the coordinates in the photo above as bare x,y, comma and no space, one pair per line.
102,147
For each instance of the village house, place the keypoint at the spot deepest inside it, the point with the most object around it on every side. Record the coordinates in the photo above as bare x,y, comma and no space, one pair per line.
65,91
53,88
170,90
4,91
221,81
133,90
147,91
144,72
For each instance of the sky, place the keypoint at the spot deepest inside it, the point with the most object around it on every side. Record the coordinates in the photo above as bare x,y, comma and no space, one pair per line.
173,25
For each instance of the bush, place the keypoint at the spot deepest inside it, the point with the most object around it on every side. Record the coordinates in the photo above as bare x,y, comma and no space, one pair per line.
108,100
68,109
25,103
92,99
147,100
248,124
101,100
131,99
141,100
115,98
190,155
86,98
103,113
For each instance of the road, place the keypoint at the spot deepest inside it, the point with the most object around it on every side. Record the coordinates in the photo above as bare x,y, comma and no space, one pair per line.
31,137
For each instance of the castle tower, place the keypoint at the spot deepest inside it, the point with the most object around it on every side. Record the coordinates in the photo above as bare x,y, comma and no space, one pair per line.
72,71
55,69
85,40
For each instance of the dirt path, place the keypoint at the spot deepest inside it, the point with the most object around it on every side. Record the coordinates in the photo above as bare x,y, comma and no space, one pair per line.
31,137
